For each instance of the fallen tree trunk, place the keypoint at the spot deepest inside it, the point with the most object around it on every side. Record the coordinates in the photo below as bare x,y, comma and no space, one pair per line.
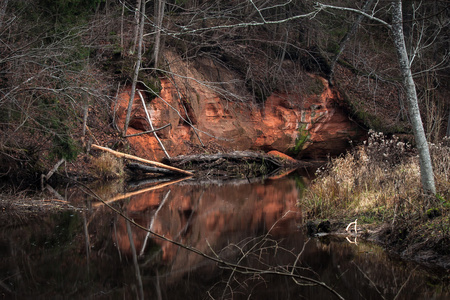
45,178
136,158
147,169
236,155
238,164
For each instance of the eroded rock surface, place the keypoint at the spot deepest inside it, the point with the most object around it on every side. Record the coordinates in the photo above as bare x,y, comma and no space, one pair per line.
301,125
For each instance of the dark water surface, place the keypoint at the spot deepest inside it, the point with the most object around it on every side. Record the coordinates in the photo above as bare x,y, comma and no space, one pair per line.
96,253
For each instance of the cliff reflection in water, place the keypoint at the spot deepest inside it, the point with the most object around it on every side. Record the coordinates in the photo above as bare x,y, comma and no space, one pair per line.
89,254
208,215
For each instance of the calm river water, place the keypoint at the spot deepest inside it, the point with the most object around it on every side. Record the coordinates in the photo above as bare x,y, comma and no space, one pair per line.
96,253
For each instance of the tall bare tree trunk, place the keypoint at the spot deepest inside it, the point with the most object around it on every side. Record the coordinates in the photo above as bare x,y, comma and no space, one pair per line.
122,45
426,168
137,17
159,20
137,67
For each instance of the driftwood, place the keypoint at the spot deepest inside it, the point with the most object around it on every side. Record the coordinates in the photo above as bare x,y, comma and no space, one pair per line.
238,164
236,155
45,178
146,161
147,169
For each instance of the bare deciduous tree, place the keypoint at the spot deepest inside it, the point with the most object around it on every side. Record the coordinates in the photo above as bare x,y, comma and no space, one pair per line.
137,66
426,168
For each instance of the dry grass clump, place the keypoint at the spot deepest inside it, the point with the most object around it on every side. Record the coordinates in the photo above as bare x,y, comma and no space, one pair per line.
381,176
440,155
107,166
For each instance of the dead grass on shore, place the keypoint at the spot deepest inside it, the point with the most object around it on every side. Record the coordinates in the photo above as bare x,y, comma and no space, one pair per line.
379,180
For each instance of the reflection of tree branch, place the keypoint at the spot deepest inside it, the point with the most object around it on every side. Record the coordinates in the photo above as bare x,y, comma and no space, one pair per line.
259,245
299,255
370,280
135,262
150,227
238,268
404,284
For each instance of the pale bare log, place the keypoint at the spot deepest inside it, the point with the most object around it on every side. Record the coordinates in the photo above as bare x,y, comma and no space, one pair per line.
45,178
136,158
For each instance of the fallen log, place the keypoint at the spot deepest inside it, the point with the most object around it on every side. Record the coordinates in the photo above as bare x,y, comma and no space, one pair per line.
45,178
242,164
136,158
236,155
147,169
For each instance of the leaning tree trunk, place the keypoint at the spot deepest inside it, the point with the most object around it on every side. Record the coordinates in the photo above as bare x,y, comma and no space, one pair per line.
137,68
426,168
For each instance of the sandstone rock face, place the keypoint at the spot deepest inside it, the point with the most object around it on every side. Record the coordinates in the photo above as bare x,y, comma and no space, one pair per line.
310,126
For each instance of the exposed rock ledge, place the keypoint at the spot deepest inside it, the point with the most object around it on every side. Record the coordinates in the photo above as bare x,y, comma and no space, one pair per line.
309,126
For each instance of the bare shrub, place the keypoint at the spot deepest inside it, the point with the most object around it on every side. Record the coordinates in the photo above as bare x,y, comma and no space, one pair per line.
107,166
384,151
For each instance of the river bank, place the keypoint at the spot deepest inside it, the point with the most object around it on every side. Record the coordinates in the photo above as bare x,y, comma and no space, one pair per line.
378,183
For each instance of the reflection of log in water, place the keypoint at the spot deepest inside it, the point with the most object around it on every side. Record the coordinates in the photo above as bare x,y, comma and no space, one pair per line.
130,194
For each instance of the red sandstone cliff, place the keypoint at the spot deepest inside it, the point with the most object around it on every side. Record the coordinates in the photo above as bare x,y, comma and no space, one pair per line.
302,125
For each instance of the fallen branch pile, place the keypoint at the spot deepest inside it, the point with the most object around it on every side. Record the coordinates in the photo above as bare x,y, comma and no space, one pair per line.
234,164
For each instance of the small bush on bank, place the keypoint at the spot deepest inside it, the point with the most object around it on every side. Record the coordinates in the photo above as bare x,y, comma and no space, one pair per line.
379,179
107,166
